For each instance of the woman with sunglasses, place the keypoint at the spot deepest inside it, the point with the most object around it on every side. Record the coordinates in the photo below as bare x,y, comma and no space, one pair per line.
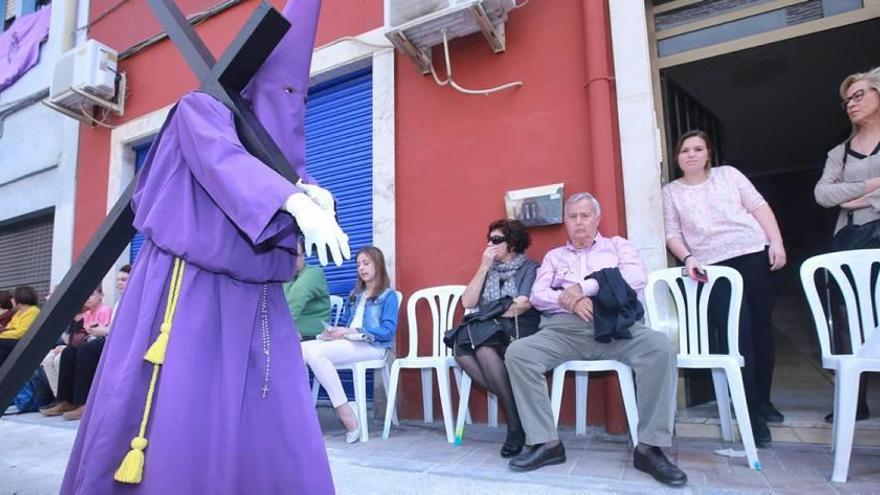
851,180
504,271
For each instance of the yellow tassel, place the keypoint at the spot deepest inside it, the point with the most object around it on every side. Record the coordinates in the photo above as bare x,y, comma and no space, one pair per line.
156,353
132,468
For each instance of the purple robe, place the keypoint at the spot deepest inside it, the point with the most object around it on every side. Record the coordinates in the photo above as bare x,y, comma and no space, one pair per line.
20,45
202,197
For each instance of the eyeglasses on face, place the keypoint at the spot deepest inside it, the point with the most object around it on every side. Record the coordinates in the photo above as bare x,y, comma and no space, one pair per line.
497,239
855,97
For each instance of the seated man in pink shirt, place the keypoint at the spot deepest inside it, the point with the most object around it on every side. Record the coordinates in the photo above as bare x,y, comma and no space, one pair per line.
565,295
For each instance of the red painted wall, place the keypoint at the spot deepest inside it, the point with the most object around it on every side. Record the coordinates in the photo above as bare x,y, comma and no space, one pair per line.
456,155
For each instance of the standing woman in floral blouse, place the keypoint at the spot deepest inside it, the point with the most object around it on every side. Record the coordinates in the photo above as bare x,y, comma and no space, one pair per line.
716,216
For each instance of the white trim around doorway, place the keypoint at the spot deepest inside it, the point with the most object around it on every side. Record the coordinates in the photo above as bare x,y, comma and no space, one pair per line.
640,144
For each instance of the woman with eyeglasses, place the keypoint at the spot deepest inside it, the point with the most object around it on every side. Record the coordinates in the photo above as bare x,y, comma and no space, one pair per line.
504,271
851,180
715,216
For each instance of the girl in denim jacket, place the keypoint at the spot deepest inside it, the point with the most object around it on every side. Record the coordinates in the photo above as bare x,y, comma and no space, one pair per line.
368,334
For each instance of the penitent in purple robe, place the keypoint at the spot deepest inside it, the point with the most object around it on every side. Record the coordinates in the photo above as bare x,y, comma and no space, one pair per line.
203,198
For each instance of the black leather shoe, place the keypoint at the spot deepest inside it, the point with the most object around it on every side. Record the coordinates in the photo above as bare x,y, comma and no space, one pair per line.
760,431
770,413
655,463
538,456
861,415
513,445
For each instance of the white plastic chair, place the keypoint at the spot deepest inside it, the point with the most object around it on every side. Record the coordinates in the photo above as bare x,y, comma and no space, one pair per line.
464,395
359,378
861,300
693,341
336,304
582,370
442,302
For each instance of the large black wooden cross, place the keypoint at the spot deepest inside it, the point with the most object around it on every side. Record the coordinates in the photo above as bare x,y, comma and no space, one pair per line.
223,79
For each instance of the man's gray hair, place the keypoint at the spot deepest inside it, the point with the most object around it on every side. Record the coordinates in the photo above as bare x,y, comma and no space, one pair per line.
585,196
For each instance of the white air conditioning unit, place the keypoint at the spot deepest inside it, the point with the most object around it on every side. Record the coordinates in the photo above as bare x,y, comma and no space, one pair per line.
86,77
414,26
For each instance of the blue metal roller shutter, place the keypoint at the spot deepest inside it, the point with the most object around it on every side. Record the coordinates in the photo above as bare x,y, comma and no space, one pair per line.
137,241
339,155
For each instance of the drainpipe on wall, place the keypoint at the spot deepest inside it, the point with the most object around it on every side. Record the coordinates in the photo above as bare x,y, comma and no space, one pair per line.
68,33
605,165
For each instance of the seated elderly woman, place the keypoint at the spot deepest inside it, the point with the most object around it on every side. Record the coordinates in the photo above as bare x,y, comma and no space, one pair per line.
368,334
24,301
79,363
308,297
6,310
504,275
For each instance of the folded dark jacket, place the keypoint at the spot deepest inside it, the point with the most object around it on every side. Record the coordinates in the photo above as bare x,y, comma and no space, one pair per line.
615,307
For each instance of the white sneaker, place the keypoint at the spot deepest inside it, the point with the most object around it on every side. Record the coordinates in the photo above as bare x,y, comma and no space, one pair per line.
354,435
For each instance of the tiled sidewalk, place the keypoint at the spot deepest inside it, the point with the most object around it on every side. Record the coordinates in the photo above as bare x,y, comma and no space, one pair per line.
600,462
417,460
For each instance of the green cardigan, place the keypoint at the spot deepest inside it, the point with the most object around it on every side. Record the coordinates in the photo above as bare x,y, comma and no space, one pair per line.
309,301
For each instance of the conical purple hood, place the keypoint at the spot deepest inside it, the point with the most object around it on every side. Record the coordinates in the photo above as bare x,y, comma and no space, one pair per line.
277,91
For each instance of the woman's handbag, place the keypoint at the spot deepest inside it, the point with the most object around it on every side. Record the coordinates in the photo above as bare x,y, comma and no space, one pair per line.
851,236
865,236
483,323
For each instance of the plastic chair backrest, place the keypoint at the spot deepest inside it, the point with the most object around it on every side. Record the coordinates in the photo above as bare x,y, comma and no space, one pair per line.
859,297
336,304
442,302
692,306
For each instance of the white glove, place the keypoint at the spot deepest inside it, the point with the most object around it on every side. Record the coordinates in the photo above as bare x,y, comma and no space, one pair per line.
319,228
319,195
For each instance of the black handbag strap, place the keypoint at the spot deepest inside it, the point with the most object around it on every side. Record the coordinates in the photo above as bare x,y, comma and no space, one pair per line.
849,213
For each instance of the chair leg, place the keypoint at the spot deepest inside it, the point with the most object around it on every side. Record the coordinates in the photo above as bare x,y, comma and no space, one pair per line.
581,383
359,375
556,392
464,394
628,391
738,394
427,395
467,412
392,399
838,393
445,401
386,375
316,389
492,408
846,383
723,400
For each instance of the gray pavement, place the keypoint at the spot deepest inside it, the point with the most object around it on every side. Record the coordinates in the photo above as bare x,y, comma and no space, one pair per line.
417,460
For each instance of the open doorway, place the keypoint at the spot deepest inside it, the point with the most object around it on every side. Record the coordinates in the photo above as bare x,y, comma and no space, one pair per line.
774,110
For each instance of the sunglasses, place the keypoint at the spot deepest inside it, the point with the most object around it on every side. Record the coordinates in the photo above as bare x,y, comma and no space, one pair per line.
496,239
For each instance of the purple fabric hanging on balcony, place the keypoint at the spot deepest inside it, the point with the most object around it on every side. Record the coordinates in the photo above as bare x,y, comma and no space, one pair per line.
20,45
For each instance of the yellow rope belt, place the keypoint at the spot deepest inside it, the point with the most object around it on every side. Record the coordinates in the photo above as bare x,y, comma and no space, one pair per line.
132,468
